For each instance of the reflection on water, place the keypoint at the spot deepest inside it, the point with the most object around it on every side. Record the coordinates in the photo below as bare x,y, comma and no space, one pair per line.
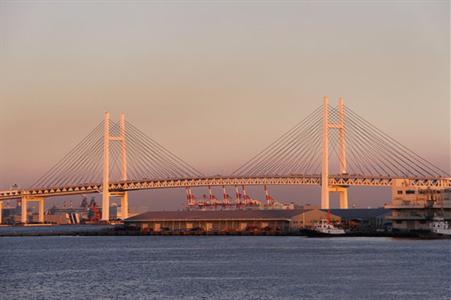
220,267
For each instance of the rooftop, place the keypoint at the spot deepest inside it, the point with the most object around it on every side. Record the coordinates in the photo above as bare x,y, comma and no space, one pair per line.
268,214
250,214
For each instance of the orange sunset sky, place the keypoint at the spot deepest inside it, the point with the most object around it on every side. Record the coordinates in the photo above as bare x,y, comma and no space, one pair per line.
217,81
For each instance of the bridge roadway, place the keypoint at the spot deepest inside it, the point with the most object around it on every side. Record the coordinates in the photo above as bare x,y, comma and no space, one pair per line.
145,184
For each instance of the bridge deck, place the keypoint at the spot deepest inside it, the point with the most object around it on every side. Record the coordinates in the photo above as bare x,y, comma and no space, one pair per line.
145,184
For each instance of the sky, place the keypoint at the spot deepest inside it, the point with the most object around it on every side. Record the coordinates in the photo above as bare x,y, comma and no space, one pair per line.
217,81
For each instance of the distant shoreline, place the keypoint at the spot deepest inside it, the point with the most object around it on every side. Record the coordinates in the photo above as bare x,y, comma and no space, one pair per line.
119,230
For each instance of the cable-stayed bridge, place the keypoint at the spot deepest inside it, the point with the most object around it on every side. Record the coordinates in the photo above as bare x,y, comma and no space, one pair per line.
332,145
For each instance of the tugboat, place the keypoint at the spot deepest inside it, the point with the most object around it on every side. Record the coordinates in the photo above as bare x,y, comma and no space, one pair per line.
324,228
440,226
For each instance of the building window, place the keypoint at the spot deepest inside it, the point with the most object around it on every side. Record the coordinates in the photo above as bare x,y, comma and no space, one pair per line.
399,192
410,192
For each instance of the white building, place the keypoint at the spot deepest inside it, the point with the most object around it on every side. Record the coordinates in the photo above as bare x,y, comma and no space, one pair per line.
413,208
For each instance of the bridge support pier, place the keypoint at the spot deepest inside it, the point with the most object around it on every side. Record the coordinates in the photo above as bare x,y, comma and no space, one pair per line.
124,203
344,199
41,210
343,192
41,203
124,206
24,209
105,206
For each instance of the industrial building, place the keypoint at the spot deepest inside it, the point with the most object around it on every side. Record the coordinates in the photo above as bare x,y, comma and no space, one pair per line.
374,219
86,213
414,208
227,221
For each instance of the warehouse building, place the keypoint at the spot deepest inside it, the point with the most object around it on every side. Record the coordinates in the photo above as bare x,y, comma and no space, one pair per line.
361,219
227,221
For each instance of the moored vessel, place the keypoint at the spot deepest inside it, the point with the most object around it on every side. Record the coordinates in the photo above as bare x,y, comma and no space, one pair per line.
440,226
324,228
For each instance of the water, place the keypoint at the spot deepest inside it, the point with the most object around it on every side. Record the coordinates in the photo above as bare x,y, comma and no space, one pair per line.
220,267
51,230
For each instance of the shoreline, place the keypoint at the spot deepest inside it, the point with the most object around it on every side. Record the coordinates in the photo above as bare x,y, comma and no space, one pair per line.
118,230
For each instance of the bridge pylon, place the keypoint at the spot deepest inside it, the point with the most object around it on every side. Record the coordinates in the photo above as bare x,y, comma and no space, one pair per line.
340,125
106,167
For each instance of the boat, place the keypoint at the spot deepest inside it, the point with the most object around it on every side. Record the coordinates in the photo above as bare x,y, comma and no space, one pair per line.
440,226
324,228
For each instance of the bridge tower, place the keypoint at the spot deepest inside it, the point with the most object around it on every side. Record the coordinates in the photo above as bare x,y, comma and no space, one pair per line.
340,125
106,167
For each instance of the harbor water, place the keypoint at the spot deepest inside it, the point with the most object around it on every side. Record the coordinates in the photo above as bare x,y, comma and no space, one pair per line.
223,267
